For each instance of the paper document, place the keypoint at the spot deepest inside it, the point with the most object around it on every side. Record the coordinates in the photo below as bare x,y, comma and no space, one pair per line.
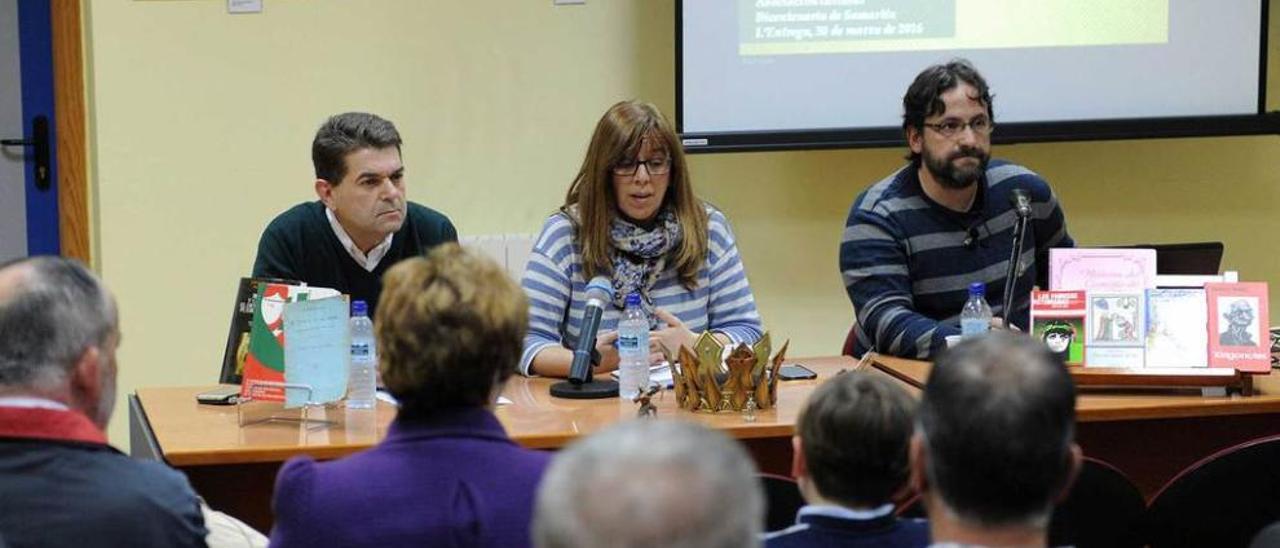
658,374
316,350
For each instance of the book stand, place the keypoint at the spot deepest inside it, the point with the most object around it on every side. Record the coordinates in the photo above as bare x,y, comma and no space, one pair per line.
312,415
1212,381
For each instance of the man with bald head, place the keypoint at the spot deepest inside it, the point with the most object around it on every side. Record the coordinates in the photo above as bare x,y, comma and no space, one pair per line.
61,484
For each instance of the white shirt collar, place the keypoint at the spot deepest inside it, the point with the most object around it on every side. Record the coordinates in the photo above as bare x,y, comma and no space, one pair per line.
846,513
31,402
367,262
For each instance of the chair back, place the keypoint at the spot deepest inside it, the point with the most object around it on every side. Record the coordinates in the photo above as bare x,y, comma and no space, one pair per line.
782,499
850,341
1223,500
1103,508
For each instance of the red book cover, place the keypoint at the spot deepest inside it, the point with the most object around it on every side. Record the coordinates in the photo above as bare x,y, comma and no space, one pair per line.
265,360
1058,318
1238,335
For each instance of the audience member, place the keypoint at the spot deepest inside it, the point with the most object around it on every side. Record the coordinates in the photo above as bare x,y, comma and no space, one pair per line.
994,449
631,214
1268,537
850,458
449,331
61,484
363,222
650,482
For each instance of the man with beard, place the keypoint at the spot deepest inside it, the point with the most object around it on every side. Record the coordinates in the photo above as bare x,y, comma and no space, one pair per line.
915,241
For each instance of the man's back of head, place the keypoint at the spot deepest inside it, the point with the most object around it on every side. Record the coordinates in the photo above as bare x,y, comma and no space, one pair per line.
994,447
650,483
55,315
58,335
852,441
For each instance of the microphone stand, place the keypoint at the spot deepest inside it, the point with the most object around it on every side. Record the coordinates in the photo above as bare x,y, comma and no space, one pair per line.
1015,262
585,387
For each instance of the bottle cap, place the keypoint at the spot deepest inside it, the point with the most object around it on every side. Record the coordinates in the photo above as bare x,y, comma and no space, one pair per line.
359,308
977,288
633,299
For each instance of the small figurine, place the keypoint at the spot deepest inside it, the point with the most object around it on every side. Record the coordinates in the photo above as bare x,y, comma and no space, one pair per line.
647,409
749,409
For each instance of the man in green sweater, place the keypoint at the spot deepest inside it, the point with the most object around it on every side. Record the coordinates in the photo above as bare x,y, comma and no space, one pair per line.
362,223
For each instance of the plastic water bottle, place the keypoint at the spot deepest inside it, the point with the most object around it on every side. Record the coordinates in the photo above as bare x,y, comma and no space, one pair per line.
633,349
362,381
975,317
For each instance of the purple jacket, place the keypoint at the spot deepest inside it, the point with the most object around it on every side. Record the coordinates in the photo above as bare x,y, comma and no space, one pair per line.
454,479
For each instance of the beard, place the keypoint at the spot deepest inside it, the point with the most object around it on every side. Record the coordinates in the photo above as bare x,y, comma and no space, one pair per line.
948,174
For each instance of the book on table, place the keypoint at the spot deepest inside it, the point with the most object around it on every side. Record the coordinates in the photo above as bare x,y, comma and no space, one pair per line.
1237,333
1060,319
264,362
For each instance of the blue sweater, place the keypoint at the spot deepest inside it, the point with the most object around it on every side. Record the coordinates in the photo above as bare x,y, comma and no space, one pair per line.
721,302
823,526
907,268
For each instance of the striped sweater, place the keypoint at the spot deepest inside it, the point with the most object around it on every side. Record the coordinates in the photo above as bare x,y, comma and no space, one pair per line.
907,267
553,281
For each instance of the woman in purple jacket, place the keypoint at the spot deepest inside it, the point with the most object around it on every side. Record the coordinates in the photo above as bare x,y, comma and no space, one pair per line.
450,329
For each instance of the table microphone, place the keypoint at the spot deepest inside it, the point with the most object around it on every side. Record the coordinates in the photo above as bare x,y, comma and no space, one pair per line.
580,384
1020,201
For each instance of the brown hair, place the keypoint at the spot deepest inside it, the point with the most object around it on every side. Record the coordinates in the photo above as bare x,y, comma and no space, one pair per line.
345,133
854,432
450,329
618,137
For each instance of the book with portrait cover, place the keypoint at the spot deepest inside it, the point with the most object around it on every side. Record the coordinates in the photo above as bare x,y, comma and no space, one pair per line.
1237,334
1177,332
1117,328
1059,318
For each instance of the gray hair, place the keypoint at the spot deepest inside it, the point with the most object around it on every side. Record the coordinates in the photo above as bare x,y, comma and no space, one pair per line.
650,483
47,320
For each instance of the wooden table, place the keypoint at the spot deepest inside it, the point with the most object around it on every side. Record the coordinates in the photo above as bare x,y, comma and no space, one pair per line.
1149,434
234,468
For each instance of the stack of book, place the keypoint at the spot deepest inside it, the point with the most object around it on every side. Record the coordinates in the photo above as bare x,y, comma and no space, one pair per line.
1104,309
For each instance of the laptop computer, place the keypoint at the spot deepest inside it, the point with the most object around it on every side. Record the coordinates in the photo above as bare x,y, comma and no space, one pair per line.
1187,259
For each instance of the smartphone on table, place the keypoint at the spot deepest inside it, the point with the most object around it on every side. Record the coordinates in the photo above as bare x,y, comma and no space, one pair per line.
795,372
223,395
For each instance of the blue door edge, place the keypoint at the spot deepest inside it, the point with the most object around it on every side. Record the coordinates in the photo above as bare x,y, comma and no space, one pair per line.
35,42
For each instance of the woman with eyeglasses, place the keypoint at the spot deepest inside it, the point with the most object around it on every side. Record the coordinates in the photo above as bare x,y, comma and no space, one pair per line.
631,215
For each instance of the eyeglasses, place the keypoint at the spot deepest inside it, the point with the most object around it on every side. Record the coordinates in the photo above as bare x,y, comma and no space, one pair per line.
655,166
951,128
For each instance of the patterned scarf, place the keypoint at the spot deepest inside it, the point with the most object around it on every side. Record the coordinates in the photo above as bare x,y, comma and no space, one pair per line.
640,256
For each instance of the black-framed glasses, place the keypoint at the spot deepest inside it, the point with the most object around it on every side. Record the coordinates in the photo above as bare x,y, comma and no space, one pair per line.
655,166
951,128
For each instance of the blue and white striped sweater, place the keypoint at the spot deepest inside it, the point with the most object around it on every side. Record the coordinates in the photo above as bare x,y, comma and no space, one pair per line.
722,301
907,269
